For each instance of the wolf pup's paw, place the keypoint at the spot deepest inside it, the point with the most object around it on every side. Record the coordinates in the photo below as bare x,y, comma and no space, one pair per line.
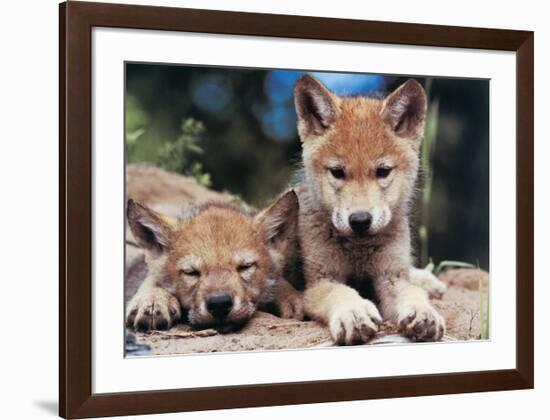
154,309
355,322
292,306
421,322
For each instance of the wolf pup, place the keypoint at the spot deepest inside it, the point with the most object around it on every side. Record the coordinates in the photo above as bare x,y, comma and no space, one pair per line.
216,263
360,158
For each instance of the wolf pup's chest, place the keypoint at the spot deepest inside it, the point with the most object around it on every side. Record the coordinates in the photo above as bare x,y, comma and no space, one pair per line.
357,254
364,285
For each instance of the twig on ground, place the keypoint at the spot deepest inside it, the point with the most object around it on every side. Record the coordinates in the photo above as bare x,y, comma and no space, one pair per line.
184,334
289,324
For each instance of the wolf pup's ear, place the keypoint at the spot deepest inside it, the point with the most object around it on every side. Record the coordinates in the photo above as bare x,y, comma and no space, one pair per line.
278,222
152,231
405,110
316,107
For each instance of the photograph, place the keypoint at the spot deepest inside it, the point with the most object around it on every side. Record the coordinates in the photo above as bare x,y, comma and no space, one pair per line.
285,209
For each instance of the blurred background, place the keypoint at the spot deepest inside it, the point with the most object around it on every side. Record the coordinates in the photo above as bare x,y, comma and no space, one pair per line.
235,130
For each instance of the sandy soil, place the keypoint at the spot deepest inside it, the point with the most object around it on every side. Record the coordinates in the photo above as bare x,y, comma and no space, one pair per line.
170,193
459,306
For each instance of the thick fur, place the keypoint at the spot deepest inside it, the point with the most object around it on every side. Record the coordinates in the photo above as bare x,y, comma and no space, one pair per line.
360,154
213,249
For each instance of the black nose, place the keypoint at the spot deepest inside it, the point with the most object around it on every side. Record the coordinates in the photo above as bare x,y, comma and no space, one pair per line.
219,304
360,221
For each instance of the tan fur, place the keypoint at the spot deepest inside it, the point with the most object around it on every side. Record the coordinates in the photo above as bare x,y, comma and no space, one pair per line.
428,281
360,135
212,249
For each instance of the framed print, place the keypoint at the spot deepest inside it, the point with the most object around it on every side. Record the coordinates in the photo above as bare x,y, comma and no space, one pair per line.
267,209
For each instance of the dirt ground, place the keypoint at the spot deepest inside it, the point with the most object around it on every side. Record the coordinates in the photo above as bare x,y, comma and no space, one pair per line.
170,193
459,306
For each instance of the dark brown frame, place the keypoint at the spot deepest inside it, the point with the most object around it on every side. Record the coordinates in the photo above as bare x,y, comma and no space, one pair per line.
76,21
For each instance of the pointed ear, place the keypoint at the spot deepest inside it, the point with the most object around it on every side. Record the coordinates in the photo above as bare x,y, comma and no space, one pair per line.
316,107
405,110
279,220
152,231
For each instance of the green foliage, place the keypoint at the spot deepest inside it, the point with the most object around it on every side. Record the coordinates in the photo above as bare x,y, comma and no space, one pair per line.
136,117
202,178
177,156
131,141
484,312
445,265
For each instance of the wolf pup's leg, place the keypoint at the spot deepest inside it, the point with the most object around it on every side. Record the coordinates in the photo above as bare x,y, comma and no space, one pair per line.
350,318
408,306
289,301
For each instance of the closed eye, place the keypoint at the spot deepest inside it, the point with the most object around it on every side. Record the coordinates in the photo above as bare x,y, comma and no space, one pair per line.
193,272
245,266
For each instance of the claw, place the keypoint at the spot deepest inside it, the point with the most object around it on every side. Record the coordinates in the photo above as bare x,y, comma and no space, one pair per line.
407,320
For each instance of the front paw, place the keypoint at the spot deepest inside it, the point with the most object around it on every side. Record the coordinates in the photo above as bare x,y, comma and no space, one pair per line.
421,322
354,322
291,306
154,309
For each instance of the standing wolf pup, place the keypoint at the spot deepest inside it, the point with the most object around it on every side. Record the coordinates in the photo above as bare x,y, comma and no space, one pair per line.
360,158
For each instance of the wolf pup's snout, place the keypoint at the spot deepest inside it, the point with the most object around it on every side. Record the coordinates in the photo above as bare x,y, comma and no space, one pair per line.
360,221
219,305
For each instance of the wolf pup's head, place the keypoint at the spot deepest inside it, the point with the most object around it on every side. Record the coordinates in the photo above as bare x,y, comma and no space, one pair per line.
218,261
360,154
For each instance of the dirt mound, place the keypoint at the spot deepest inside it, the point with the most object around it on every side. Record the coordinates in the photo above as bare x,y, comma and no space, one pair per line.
166,192
170,193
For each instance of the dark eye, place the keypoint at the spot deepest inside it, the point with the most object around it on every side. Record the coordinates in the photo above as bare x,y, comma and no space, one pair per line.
383,172
245,266
193,272
338,173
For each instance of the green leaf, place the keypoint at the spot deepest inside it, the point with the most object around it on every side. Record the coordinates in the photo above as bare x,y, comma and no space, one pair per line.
452,264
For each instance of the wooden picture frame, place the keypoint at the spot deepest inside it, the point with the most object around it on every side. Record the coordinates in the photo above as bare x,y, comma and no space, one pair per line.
75,203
